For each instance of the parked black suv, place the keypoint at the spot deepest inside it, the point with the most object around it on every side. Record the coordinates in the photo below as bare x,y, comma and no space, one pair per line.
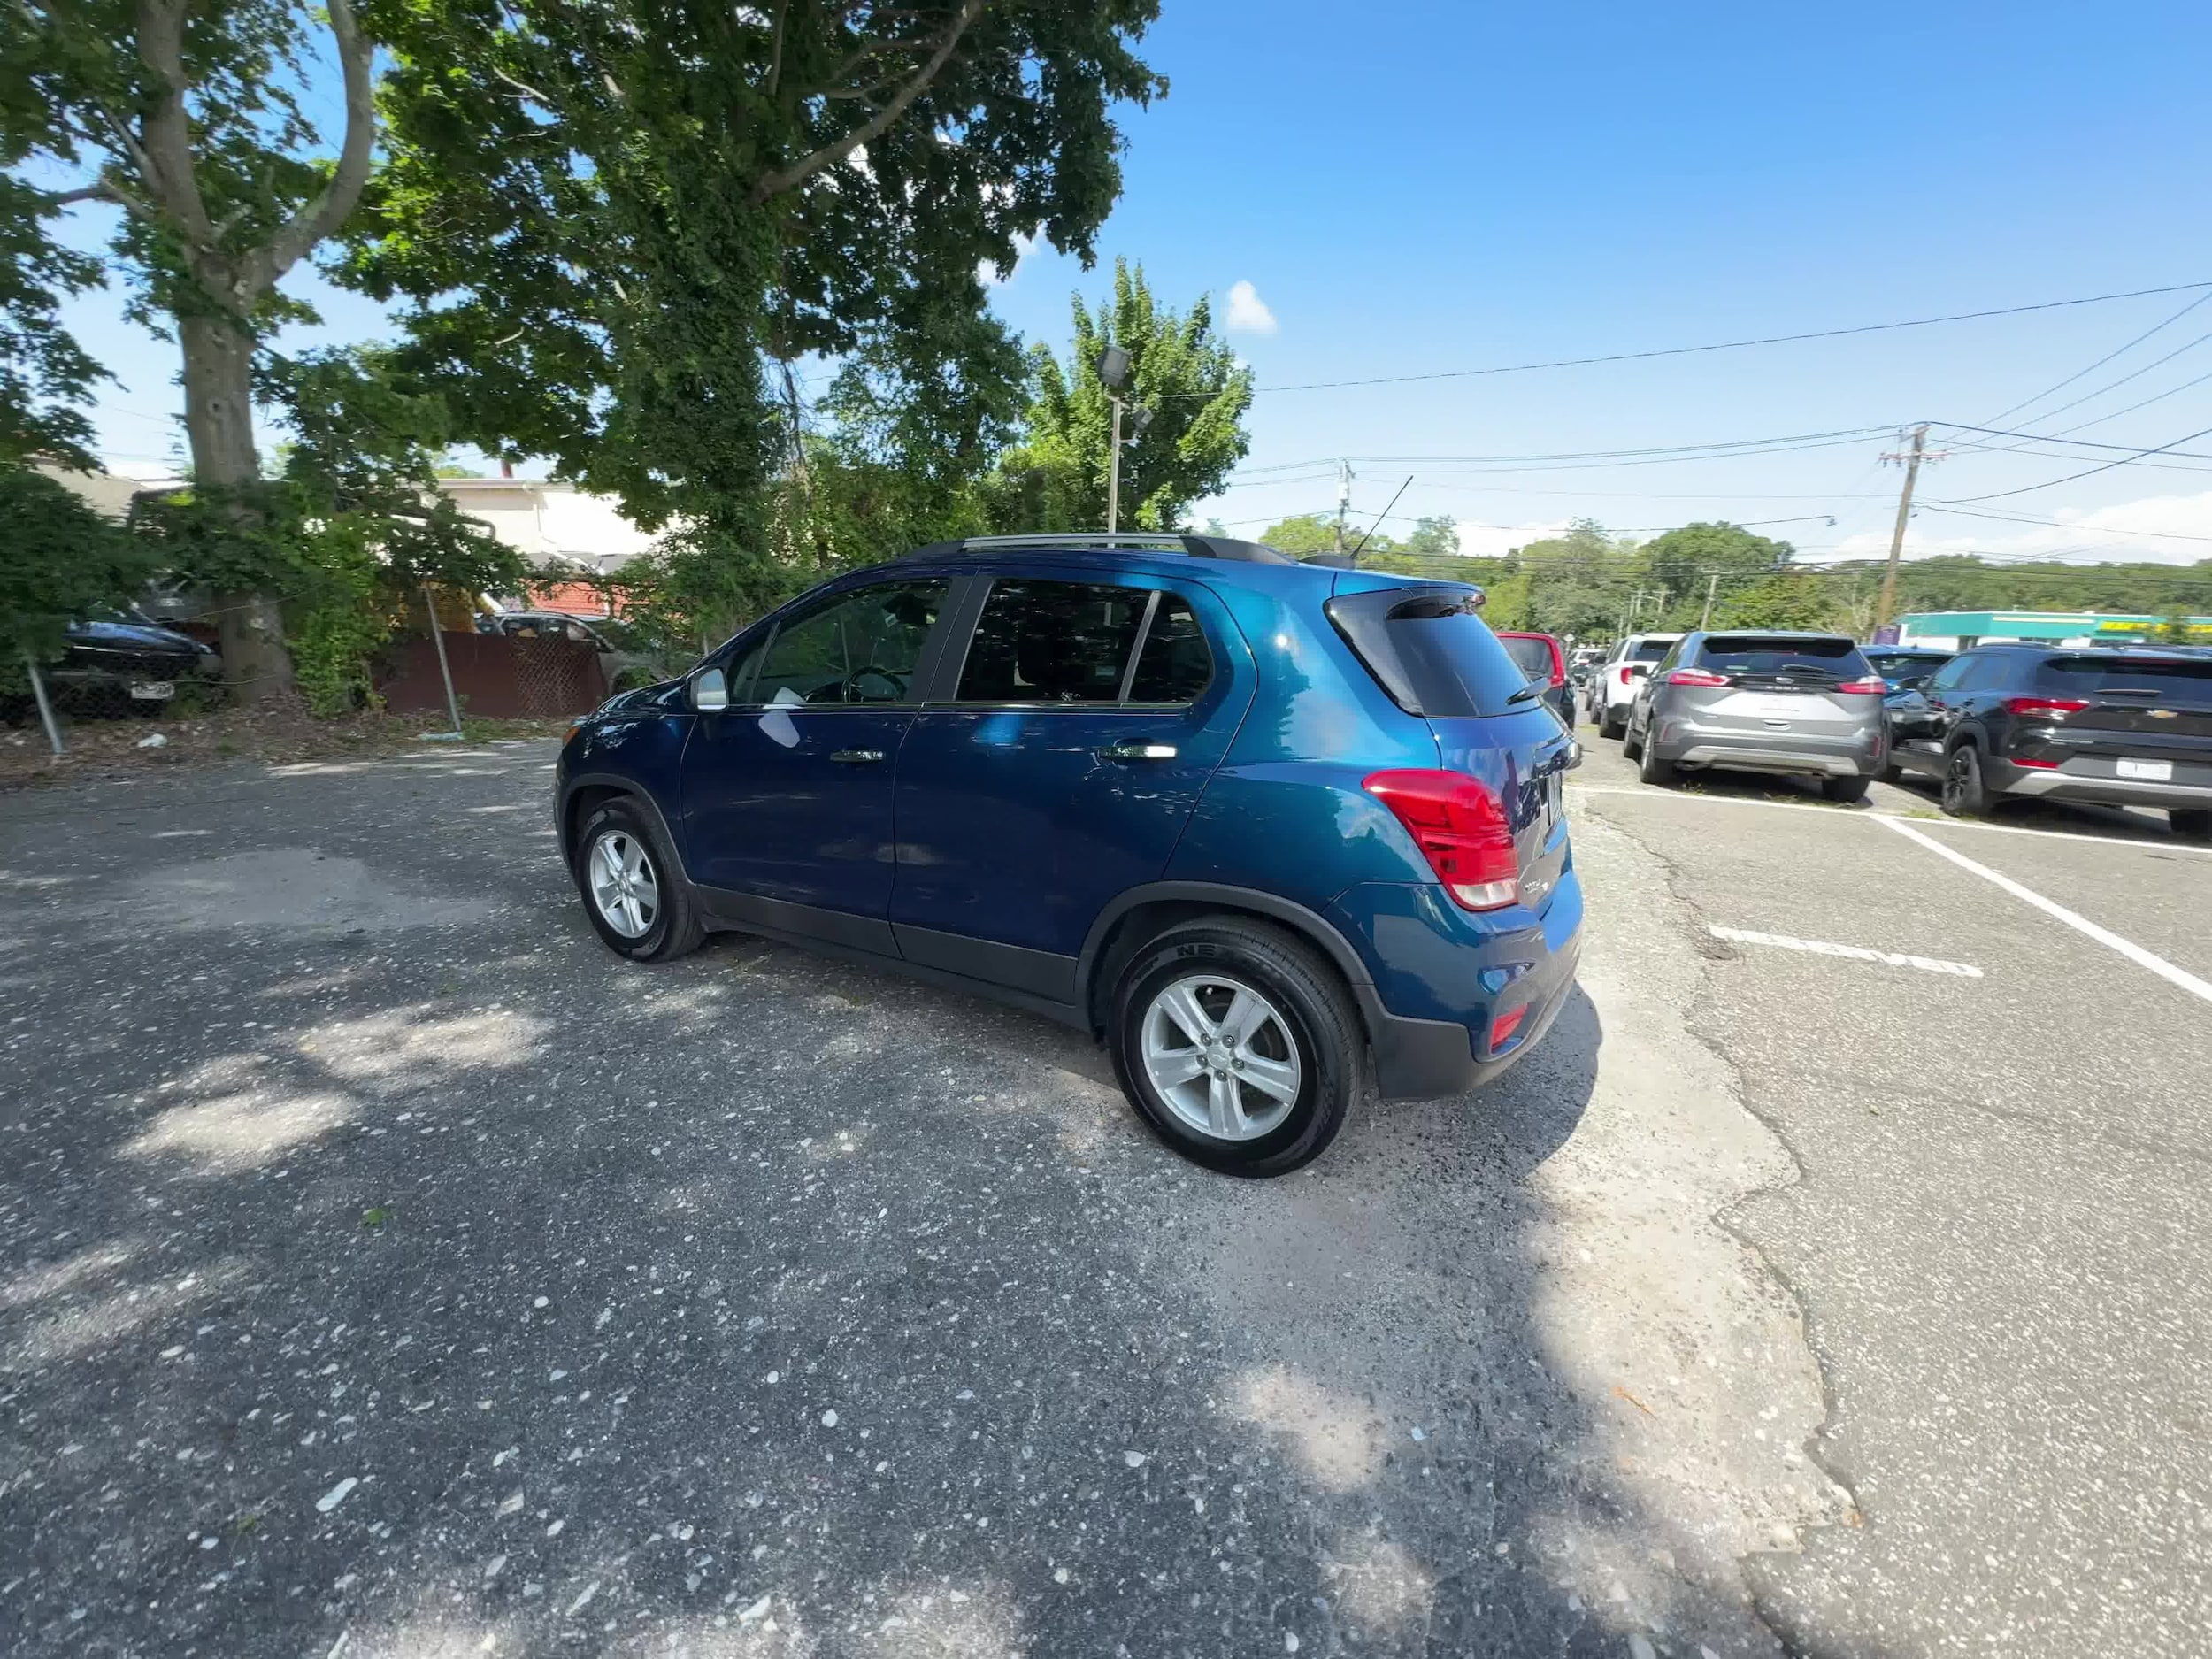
2126,727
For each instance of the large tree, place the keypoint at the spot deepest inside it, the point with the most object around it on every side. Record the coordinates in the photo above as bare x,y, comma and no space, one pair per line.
621,230
193,121
1179,371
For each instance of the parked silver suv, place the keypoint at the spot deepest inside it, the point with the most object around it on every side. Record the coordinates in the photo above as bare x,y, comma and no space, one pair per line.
1802,703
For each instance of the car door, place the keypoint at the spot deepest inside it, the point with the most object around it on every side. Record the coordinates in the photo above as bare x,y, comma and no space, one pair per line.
1947,692
786,794
1085,713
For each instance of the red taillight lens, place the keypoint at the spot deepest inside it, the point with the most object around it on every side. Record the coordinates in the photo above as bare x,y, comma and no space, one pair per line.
1875,687
1461,830
1626,675
1503,1028
2049,707
1696,677
2041,765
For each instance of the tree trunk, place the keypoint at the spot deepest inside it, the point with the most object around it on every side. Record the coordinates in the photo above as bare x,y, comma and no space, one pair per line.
218,422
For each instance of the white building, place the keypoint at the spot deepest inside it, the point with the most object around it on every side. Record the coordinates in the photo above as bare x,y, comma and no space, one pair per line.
547,519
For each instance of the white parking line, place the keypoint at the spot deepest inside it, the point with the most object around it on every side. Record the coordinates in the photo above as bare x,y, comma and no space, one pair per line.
1856,953
1845,814
2127,947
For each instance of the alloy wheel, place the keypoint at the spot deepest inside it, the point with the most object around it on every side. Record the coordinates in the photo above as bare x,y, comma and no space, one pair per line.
1221,1057
623,887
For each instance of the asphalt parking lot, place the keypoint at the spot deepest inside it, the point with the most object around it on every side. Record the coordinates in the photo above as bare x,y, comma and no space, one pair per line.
385,1269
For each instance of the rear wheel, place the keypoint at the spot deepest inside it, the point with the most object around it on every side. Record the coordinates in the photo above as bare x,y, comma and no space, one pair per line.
1631,746
2194,822
1965,794
633,889
1609,723
1844,790
1652,769
1237,1044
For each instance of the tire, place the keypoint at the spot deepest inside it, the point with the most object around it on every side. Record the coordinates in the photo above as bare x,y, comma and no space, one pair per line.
1308,1034
1843,791
1965,793
1631,746
664,921
1653,769
2195,822
1608,724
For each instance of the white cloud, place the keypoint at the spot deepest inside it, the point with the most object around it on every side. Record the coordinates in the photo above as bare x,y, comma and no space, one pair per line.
1247,312
1494,540
989,274
2158,529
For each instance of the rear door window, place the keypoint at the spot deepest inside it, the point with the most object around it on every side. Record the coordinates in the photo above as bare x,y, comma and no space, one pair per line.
1429,650
1056,642
1759,655
1174,664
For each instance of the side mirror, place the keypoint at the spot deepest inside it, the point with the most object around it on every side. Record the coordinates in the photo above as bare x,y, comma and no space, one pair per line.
1574,755
710,691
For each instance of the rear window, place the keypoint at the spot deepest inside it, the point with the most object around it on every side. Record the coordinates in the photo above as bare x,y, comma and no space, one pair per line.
1765,653
1649,650
1429,650
1533,657
1903,665
2184,677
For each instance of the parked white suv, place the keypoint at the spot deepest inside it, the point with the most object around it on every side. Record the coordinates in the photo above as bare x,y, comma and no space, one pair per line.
1614,687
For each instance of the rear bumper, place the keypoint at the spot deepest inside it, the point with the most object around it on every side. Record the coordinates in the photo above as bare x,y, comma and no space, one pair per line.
1799,762
1442,982
1852,752
2104,791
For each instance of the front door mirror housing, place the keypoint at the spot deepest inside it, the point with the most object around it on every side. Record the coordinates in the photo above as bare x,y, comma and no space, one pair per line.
710,691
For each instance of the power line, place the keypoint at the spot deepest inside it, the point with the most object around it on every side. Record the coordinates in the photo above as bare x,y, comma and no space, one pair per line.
2055,523
2101,362
2053,483
1724,345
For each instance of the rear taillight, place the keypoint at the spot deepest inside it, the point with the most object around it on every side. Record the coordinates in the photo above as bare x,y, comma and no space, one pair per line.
1625,674
1875,687
2045,708
1696,677
2041,765
1461,830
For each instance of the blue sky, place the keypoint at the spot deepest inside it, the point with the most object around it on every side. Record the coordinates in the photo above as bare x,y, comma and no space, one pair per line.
1410,187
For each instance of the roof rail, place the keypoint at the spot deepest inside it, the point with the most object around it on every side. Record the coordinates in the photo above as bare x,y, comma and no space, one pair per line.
1202,547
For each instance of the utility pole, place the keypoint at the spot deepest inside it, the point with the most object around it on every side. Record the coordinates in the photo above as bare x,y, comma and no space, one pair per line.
1886,606
1113,470
1343,500
1712,581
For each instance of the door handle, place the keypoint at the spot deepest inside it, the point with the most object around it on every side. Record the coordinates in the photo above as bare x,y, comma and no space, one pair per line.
1138,751
857,757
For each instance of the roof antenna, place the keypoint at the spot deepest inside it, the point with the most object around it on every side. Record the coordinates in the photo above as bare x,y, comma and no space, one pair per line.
1380,517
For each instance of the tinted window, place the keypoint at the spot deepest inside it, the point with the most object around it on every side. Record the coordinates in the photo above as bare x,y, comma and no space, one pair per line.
1429,650
1174,666
2189,678
1649,651
1903,665
860,647
1532,656
1774,654
1951,674
1052,642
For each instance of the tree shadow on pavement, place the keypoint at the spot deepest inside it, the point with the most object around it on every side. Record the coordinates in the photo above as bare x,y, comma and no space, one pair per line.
394,1272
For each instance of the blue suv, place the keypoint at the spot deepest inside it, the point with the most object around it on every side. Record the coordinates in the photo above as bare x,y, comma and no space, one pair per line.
1255,824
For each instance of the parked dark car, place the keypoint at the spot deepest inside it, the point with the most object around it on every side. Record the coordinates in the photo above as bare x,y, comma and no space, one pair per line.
1904,669
2123,727
1249,821
121,661
1543,661
1803,704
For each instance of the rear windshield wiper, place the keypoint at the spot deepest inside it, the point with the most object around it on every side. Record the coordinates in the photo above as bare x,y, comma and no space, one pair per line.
1526,693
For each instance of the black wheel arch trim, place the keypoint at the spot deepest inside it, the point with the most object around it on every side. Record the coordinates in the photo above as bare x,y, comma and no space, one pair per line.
565,826
1415,1059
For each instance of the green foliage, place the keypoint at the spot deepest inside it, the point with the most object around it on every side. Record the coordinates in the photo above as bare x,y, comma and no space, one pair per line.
1055,478
59,562
1304,534
1795,599
1682,563
44,375
618,226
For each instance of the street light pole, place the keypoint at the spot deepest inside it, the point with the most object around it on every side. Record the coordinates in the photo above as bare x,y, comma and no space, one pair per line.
1113,472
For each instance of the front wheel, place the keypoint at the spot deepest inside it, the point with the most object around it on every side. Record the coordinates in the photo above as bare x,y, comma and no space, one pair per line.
633,891
1965,794
1237,1044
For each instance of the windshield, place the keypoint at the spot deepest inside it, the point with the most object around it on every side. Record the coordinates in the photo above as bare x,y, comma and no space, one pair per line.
1904,665
1532,657
2181,679
1764,653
